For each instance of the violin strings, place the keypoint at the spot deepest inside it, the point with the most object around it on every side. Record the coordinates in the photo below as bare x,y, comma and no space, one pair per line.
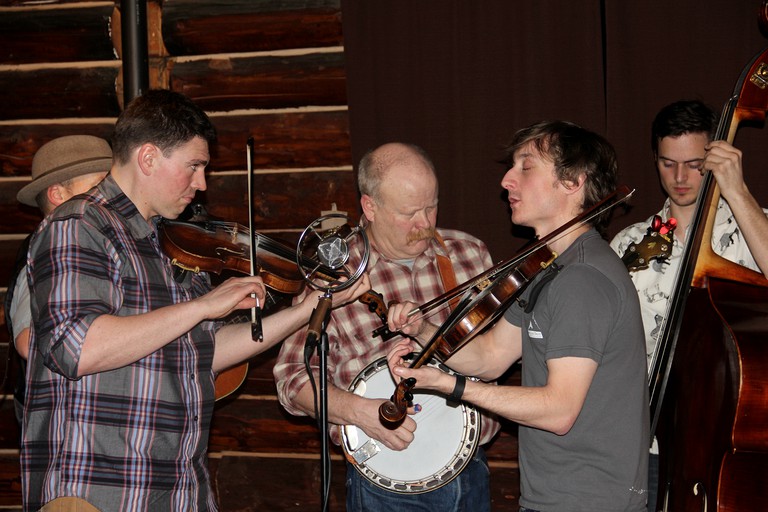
277,248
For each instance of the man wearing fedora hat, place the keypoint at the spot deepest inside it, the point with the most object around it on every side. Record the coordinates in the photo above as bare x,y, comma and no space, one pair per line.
124,350
61,169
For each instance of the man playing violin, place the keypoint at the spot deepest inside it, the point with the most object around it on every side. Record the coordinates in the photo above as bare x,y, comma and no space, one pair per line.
583,403
682,146
123,352
408,260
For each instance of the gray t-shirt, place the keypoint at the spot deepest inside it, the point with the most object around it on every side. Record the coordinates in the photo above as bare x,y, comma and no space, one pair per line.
589,309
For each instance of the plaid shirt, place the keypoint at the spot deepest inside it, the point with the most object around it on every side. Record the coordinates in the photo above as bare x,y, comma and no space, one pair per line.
133,438
352,347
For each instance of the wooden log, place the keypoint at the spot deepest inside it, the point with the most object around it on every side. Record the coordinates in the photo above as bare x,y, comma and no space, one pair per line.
10,481
283,200
19,141
260,425
60,33
223,83
194,28
259,483
283,139
55,92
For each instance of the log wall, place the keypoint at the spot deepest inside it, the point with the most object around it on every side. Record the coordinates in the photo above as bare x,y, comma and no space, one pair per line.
273,70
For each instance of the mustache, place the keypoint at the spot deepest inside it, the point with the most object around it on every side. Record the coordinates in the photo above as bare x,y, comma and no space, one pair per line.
422,234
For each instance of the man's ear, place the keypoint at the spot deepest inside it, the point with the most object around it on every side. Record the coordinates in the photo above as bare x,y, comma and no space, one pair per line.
368,205
147,157
54,194
572,187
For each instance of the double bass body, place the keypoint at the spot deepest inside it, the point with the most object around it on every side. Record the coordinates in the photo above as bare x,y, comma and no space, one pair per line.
709,394
713,432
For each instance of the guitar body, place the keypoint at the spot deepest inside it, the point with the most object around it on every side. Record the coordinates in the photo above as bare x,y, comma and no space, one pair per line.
228,381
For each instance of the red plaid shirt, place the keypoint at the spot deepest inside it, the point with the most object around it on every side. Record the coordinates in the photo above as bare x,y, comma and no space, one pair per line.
350,328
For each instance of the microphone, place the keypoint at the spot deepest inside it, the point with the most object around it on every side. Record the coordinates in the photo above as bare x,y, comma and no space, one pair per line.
328,248
333,251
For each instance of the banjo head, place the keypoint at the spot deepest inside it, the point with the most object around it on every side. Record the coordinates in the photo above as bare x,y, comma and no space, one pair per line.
445,439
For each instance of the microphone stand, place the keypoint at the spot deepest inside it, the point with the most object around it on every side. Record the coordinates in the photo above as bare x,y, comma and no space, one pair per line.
333,251
318,337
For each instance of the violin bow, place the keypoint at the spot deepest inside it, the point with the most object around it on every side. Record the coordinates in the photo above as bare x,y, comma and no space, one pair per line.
256,332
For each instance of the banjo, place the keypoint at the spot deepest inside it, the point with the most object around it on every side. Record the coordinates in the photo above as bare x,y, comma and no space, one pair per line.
446,438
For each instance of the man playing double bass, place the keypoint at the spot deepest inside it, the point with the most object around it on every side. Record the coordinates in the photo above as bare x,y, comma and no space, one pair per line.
583,404
681,141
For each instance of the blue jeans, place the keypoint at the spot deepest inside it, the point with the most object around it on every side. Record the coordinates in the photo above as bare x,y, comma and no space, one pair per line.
468,492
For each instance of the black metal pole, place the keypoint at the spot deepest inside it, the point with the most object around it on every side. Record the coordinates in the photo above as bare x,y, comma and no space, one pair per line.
133,22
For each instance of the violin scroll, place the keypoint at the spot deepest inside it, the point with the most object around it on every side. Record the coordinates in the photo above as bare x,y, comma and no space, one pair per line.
392,412
375,302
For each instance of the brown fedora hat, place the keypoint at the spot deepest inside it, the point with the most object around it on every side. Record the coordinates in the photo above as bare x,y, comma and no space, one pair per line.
65,158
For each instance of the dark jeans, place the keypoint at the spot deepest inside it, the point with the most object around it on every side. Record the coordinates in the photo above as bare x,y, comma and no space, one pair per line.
653,481
468,492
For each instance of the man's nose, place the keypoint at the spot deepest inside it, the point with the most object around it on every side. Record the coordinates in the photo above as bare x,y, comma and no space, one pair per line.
681,173
199,181
509,181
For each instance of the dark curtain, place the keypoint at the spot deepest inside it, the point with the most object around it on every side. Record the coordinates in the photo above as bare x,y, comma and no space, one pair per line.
459,77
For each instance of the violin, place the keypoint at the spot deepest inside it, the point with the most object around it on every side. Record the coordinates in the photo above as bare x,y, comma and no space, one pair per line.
215,246
484,299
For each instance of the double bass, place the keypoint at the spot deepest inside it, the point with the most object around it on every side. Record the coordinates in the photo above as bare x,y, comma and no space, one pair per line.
709,383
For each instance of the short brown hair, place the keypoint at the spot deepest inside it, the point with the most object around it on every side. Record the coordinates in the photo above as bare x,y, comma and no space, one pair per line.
574,151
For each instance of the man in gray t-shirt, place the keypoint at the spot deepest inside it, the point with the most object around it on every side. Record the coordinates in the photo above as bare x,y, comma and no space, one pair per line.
589,310
583,403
